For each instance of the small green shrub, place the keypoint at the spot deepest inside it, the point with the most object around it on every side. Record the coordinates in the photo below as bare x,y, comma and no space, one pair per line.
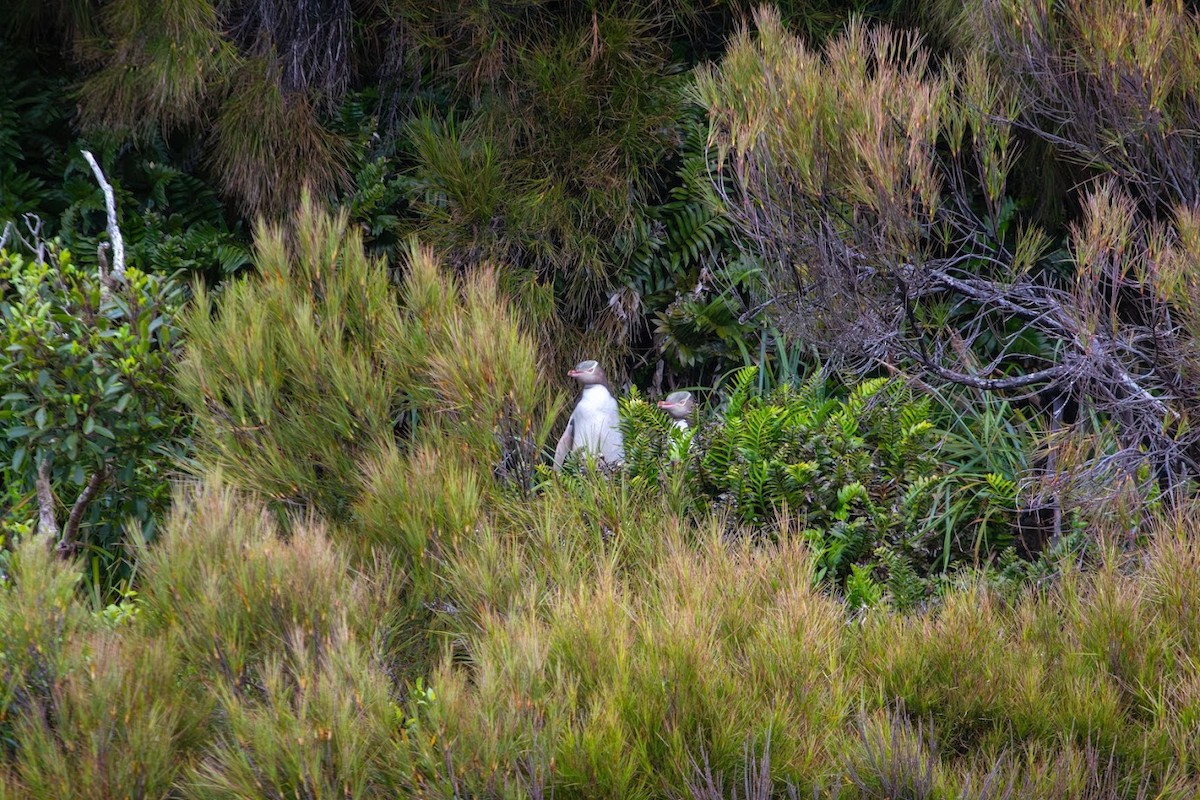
321,726
86,396
658,455
119,725
857,472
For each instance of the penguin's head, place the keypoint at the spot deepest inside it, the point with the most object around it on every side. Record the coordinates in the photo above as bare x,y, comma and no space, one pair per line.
678,404
588,373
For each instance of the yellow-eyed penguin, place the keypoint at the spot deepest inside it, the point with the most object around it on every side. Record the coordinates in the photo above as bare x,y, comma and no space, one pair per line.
679,406
594,425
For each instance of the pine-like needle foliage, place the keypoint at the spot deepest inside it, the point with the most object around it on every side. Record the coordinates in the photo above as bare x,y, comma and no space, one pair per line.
297,376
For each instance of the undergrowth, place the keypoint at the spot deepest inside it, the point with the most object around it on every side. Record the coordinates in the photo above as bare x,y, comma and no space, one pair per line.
587,644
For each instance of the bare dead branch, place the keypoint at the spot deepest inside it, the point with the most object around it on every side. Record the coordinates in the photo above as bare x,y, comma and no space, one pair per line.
47,521
1026,380
114,230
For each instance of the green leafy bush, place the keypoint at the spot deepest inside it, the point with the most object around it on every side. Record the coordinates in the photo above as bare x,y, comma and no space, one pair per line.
854,471
87,399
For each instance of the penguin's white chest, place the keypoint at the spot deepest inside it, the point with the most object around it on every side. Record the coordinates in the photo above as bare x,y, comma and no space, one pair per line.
597,425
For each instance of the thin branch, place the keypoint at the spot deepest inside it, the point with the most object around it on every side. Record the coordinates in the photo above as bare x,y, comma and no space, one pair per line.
1047,375
45,494
35,242
69,541
114,231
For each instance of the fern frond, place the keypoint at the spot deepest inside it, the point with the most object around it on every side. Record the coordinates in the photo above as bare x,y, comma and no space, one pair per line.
743,385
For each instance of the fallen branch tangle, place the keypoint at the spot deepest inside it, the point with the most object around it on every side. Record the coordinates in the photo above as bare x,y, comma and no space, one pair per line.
1104,367
880,253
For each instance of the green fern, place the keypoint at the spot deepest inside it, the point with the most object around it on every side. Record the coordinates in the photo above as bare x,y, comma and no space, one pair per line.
743,384
905,588
647,434
862,590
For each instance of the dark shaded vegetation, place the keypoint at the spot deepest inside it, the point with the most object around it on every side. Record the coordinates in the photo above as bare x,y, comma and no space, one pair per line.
278,513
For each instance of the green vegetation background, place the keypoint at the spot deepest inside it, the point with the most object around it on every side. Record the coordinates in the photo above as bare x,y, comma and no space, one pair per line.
318,551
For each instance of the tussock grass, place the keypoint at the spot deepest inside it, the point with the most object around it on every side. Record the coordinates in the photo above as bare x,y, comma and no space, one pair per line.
663,661
585,642
229,588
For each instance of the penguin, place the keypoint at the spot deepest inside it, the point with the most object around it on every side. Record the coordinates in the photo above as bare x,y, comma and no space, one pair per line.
679,406
594,425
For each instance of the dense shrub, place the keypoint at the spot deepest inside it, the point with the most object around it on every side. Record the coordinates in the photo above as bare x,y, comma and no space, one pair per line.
117,725
230,589
42,624
254,663
615,678
876,475
298,374
419,506
596,645
323,387
480,376
322,727
93,427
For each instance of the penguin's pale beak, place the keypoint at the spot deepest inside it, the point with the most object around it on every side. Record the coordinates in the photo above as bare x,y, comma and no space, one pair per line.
665,404
573,373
